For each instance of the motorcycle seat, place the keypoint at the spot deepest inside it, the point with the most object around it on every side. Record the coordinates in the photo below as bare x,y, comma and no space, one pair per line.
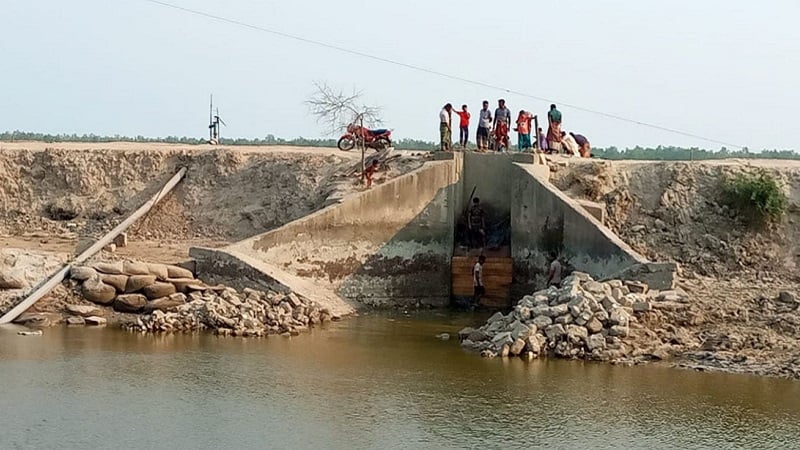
379,131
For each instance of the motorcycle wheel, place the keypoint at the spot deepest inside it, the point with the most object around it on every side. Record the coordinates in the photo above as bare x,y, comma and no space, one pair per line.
383,144
346,143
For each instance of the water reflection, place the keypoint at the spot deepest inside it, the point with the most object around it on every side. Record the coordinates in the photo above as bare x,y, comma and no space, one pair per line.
375,381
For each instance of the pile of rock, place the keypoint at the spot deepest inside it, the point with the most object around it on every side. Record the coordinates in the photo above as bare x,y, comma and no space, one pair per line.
134,287
228,312
582,318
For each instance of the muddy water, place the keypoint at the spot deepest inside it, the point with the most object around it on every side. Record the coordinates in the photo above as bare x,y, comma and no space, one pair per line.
370,382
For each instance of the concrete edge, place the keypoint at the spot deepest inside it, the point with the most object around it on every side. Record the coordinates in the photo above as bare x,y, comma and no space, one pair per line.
578,209
244,242
277,279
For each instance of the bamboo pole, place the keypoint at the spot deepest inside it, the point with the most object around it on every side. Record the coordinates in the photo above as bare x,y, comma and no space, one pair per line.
59,276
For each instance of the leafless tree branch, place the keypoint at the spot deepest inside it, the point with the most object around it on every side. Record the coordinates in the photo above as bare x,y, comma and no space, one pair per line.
335,109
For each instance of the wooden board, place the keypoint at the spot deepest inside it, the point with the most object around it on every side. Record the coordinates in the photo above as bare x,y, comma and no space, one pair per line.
497,276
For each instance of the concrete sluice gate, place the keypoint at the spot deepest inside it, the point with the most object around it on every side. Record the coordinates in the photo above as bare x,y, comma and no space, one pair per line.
400,243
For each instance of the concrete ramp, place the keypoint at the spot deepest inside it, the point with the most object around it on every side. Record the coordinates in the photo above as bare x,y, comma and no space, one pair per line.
239,270
387,246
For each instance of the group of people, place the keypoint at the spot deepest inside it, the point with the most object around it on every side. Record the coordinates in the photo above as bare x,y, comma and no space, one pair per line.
493,131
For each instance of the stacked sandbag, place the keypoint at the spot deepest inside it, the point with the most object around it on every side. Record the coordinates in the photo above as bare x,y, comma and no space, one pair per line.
228,312
134,287
582,318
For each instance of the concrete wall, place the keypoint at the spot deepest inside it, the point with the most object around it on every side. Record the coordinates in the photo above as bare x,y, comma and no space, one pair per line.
490,175
543,219
387,246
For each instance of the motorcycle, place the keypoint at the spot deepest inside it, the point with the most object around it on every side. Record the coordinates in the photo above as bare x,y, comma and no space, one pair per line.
356,135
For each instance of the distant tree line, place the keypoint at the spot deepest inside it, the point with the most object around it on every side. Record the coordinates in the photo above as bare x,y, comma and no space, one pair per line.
688,154
660,153
10,136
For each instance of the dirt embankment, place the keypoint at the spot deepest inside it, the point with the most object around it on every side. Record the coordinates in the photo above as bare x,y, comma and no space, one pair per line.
227,194
734,274
56,198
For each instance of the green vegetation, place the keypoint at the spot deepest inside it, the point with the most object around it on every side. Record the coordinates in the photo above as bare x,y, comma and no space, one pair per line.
757,197
688,154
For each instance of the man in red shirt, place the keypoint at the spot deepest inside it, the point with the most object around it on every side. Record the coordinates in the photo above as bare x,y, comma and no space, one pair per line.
463,126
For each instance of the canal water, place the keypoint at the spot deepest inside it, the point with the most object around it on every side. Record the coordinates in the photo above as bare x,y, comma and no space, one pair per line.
370,382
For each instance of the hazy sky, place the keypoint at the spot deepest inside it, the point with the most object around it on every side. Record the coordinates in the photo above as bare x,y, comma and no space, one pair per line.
726,69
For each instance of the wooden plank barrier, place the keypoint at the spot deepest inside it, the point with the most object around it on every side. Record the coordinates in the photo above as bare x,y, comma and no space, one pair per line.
497,276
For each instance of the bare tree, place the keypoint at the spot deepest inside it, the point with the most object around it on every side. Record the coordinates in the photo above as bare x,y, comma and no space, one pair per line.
336,110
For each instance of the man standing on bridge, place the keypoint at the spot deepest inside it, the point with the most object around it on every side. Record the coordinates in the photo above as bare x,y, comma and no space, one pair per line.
554,129
445,130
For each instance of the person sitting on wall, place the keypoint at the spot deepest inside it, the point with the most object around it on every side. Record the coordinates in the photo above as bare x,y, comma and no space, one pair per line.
370,172
476,223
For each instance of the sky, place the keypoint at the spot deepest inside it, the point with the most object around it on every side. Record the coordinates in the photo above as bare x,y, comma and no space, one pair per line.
728,70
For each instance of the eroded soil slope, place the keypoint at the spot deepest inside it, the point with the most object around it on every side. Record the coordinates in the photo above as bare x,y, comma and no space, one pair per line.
741,311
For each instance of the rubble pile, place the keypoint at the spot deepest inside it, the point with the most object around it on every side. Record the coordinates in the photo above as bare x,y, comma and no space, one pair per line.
228,312
582,318
172,300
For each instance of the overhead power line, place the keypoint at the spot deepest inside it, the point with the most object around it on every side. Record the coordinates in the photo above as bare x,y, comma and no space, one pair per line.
438,73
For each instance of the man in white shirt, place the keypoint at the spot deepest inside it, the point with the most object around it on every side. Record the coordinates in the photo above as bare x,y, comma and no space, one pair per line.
445,130
484,126
571,146
554,275
477,281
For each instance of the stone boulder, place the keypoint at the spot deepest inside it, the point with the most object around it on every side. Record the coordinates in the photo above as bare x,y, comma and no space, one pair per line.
138,282
84,310
158,290
82,273
95,320
159,271
478,336
30,319
111,268
517,347
9,281
502,339
75,320
594,325
554,332
596,342
542,322
618,316
130,303
135,268
183,284
98,292
170,303
118,281
179,272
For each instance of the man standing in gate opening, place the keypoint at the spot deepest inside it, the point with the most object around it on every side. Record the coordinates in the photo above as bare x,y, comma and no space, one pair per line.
477,281
554,273
476,223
